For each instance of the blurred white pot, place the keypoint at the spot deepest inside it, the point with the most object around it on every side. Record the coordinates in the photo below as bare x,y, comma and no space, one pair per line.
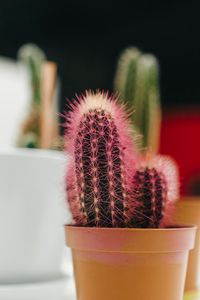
32,210
15,96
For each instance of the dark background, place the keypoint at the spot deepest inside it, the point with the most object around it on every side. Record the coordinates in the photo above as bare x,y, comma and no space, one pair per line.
86,37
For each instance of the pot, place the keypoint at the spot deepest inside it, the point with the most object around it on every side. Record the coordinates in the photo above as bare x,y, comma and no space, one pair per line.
188,212
32,214
130,263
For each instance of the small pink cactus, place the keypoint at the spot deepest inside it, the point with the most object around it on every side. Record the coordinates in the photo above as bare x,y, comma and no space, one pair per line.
155,188
103,160
108,184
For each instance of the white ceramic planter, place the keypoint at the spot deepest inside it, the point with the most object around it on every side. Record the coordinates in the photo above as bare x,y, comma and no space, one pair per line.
15,95
32,213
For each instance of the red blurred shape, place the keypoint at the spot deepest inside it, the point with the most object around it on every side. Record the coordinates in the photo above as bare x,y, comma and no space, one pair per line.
180,138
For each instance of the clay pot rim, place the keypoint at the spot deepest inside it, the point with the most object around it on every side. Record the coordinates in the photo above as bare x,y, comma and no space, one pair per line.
178,238
173,227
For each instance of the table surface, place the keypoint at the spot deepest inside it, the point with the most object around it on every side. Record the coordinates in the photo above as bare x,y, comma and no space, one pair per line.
62,289
192,296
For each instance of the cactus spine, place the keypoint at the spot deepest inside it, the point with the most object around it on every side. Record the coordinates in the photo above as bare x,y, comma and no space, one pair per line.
137,81
103,161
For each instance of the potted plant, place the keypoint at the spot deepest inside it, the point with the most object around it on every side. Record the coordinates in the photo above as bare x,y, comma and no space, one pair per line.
122,241
181,124
39,128
137,81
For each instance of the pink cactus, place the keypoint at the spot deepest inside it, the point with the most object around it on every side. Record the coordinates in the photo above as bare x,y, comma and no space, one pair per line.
155,189
103,161
108,184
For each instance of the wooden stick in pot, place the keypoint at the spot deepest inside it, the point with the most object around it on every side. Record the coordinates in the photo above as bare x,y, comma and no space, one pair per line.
48,118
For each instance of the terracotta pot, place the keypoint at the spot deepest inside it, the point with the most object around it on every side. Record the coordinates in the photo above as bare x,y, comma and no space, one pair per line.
188,212
125,264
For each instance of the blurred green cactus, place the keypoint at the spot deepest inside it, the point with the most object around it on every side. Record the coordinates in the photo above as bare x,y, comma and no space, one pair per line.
126,72
33,57
137,81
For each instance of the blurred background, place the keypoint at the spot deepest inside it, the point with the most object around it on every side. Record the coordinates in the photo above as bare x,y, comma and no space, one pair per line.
85,38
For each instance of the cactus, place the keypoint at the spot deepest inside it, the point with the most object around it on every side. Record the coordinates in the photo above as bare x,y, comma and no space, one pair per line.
155,190
33,57
103,161
108,183
137,81
125,78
